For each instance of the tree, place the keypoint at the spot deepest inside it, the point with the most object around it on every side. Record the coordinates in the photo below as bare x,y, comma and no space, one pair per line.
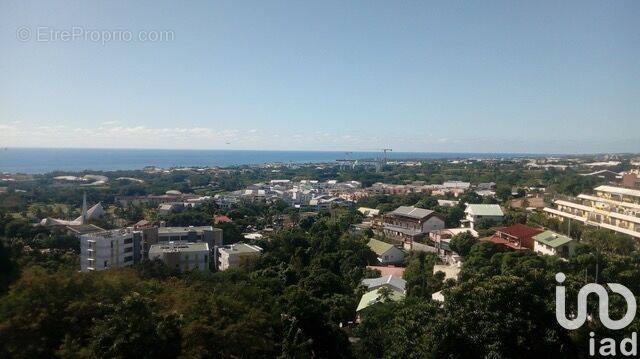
134,329
461,243
503,192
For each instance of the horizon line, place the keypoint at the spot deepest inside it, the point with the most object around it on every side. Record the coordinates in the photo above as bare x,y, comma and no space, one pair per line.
329,151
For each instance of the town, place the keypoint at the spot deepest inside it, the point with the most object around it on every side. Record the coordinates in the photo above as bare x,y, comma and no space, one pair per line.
323,258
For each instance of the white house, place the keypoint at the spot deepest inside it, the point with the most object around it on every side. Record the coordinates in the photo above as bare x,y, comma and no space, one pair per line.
551,243
477,212
387,253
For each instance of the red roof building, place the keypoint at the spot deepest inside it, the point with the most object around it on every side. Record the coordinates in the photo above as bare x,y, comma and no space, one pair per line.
221,219
516,237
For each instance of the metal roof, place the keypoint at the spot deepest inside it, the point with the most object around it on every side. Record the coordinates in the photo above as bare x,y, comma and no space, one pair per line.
379,247
390,280
552,239
484,210
412,212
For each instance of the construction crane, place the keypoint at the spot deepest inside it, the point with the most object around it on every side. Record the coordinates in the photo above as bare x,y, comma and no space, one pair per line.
384,150
382,161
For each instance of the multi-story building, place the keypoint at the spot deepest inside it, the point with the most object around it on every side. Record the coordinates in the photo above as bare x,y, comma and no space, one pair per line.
208,234
110,249
184,256
235,255
474,213
407,223
614,208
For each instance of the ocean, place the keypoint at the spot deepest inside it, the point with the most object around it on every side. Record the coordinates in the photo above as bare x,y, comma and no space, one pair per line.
43,160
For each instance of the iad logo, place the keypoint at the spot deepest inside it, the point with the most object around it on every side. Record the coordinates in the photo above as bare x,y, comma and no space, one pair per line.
607,346
603,298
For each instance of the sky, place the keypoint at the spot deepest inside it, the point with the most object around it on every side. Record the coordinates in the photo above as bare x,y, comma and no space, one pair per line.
427,76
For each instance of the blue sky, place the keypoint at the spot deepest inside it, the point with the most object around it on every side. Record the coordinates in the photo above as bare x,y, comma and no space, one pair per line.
482,76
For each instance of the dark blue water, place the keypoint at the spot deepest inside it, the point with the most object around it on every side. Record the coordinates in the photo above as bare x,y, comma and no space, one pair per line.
42,160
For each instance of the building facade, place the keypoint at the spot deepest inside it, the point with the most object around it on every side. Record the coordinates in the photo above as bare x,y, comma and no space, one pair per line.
551,243
474,213
236,255
184,256
613,208
407,224
110,249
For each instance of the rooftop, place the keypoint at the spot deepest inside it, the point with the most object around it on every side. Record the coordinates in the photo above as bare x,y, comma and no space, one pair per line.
521,231
184,229
379,247
618,190
411,212
552,239
84,228
484,210
240,248
183,247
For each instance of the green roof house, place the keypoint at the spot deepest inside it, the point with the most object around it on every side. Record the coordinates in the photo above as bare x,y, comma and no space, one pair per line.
552,243
474,213
387,253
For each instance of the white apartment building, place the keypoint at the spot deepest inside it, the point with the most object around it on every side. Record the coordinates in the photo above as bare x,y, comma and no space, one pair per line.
184,256
614,208
110,249
235,255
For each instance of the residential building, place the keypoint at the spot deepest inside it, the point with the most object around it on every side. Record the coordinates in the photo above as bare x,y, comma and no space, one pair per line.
236,255
387,253
631,179
478,212
551,243
170,207
221,219
407,223
208,234
369,212
392,282
184,256
456,184
613,208
110,249
516,237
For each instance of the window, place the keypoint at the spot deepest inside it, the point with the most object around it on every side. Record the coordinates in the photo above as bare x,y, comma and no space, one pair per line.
128,258
128,240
